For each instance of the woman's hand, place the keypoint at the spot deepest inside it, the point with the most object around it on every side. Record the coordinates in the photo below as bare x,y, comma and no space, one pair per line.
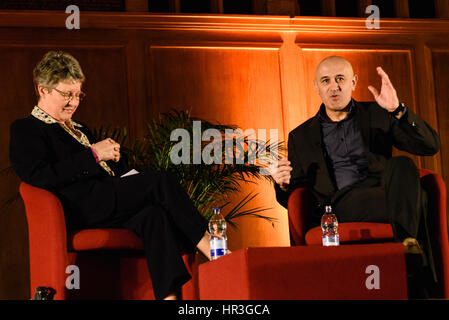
107,149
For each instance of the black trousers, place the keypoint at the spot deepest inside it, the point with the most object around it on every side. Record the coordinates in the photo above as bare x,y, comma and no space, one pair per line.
155,207
397,198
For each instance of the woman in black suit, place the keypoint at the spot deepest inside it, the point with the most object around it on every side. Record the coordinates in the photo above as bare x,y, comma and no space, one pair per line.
51,151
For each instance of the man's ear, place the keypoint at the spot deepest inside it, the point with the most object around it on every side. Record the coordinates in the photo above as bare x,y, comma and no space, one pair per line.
354,82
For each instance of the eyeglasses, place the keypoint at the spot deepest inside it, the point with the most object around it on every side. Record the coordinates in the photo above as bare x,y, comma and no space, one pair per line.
69,95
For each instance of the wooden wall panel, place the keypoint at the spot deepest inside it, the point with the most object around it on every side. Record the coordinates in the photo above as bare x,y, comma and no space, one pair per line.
440,60
18,90
440,57
106,86
229,85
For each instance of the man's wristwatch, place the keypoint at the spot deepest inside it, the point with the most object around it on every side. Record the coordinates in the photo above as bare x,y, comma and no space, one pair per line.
398,110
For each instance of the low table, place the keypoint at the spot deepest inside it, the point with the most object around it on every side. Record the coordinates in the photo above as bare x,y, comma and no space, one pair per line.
368,271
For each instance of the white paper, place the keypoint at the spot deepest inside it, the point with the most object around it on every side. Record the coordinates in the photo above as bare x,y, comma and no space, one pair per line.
130,173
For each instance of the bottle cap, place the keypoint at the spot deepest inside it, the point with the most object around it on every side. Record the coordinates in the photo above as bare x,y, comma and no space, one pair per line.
216,209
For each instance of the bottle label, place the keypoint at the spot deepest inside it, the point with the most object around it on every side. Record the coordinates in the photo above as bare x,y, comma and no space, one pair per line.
218,248
331,241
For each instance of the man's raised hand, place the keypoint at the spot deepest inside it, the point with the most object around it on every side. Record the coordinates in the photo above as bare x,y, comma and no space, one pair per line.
387,98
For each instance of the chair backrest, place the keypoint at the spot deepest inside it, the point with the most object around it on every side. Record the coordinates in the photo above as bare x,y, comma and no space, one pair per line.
47,238
49,255
299,202
434,184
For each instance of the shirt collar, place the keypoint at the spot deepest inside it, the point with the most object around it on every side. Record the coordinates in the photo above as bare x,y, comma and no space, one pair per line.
324,118
69,126
45,117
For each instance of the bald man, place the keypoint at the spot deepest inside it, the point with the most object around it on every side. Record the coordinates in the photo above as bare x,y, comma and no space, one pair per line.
344,155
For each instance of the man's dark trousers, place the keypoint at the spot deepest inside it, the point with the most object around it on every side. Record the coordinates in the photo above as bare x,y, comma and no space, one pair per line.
397,198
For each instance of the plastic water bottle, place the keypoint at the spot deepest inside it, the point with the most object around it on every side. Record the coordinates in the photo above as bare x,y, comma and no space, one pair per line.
329,225
217,230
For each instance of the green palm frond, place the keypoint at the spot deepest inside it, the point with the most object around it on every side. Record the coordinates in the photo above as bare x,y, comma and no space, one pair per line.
241,160
237,211
119,135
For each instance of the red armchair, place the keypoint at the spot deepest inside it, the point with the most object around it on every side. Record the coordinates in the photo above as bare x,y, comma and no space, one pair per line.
300,201
111,262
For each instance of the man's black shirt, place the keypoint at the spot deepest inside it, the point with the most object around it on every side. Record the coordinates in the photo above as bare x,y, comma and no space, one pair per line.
344,147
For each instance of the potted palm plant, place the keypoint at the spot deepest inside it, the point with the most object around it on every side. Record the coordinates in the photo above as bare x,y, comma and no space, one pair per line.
207,184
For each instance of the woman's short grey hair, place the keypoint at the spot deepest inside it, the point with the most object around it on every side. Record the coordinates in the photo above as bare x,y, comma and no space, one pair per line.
54,67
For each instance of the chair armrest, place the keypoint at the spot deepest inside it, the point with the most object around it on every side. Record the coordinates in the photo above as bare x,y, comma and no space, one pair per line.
300,203
47,237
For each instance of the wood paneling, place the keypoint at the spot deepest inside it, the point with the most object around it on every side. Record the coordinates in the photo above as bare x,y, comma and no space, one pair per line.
441,72
361,7
136,5
254,72
328,8
402,8
229,85
441,8
216,6
440,60
283,7
106,86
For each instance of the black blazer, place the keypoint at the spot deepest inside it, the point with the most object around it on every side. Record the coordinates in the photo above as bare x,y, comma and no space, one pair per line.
46,156
380,132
